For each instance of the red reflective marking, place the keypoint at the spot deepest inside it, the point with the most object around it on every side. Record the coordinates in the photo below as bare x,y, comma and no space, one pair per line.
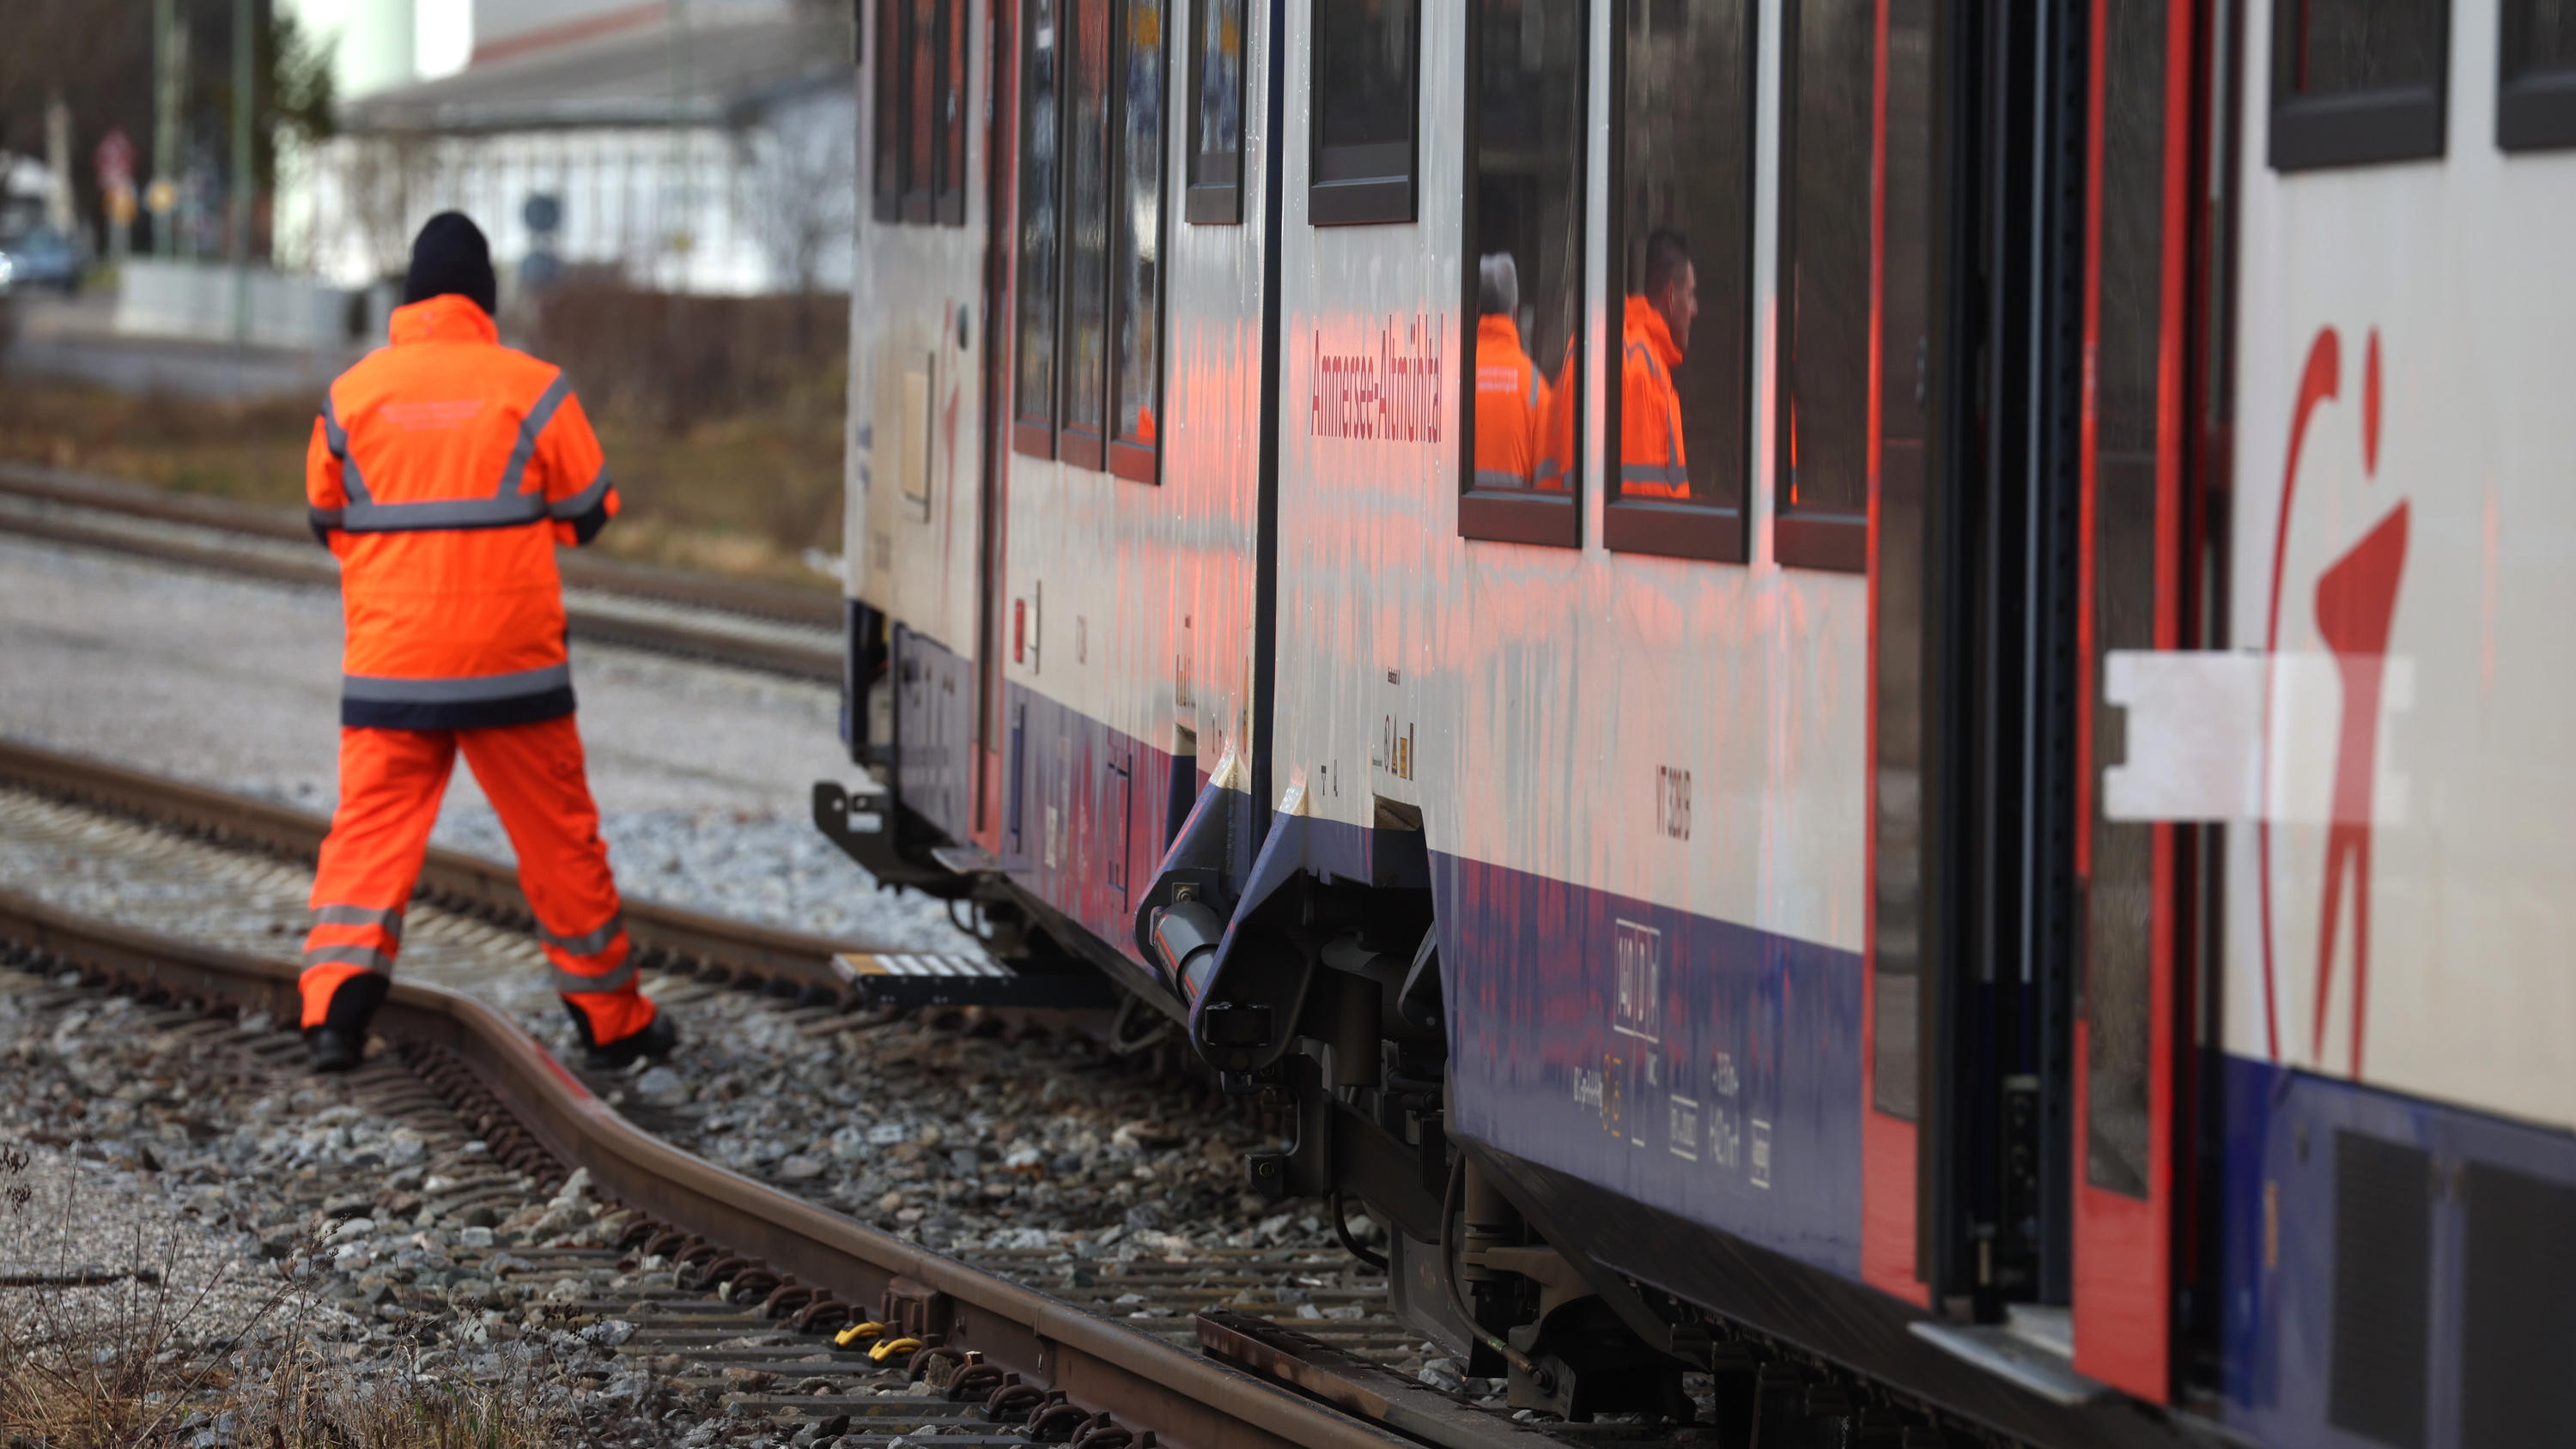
1019,631
2356,602
2317,383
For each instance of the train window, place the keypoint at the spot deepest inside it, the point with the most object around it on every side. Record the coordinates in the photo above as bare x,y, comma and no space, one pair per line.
1216,112
2536,103
2125,482
950,202
1138,218
1367,64
1041,132
1683,167
1828,283
1524,271
890,75
1090,233
2357,81
1084,390
920,108
1904,397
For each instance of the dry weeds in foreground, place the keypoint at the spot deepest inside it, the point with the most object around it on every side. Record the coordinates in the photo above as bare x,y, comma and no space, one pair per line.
142,1362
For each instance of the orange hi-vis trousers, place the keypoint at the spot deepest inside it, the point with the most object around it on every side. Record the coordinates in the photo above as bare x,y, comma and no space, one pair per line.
391,782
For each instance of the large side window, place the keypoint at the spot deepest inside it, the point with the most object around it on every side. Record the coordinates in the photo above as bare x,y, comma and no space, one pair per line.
1682,72
1216,111
2536,100
1828,283
1090,233
2357,81
1524,271
1041,174
1367,67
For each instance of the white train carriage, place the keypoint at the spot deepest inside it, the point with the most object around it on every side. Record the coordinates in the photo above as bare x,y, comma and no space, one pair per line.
1849,691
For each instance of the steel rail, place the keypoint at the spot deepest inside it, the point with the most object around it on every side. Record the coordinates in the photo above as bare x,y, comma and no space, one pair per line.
1189,1402
597,625
791,963
587,571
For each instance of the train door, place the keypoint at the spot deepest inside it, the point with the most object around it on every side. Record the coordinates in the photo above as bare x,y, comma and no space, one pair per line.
914,524
2057,932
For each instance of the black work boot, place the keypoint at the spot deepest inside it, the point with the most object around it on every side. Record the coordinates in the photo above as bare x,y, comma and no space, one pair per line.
340,1042
655,1041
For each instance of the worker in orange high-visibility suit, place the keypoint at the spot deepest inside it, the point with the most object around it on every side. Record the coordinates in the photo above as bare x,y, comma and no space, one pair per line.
444,471
1511,397
1655,333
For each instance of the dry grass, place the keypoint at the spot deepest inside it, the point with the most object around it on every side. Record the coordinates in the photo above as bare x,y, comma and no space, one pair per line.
722,419
147,1363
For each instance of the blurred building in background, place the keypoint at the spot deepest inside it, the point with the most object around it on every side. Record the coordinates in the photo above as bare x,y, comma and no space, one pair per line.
703,147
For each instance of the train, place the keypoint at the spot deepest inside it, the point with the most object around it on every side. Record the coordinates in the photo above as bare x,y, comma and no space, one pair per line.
1775,668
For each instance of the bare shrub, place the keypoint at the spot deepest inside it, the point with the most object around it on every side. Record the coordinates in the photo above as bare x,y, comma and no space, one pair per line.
678,360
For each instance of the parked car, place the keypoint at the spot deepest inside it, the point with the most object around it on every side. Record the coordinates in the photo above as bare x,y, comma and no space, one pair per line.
39,257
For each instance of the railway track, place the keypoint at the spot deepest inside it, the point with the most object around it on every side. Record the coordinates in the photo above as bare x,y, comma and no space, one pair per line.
745,623
1189,1341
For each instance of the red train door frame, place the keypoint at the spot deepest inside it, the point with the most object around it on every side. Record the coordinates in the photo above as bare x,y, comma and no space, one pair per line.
2129,1026
1001,158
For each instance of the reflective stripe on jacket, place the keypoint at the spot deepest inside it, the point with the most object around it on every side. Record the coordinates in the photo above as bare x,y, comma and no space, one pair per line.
443,471
1511,403
1651,464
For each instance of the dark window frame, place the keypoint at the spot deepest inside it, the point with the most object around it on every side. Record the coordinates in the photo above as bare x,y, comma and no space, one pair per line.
1379,199
1496,515
1214,202
2355,128
2535,105
1049,436
1669,528
1827,540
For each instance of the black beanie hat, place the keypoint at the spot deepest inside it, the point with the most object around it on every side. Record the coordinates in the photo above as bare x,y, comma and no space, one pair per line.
450,255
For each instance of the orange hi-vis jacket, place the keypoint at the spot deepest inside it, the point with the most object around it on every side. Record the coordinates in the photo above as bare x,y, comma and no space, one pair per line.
443,472
1650,411
1511,405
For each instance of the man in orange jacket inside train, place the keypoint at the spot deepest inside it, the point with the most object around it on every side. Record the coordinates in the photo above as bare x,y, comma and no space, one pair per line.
1654,336
444,471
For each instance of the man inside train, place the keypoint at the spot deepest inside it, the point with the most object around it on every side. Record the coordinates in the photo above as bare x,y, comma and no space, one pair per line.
1655,334
444,471
1511,396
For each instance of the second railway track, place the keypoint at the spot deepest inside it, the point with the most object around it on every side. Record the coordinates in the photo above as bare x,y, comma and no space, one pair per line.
745,623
